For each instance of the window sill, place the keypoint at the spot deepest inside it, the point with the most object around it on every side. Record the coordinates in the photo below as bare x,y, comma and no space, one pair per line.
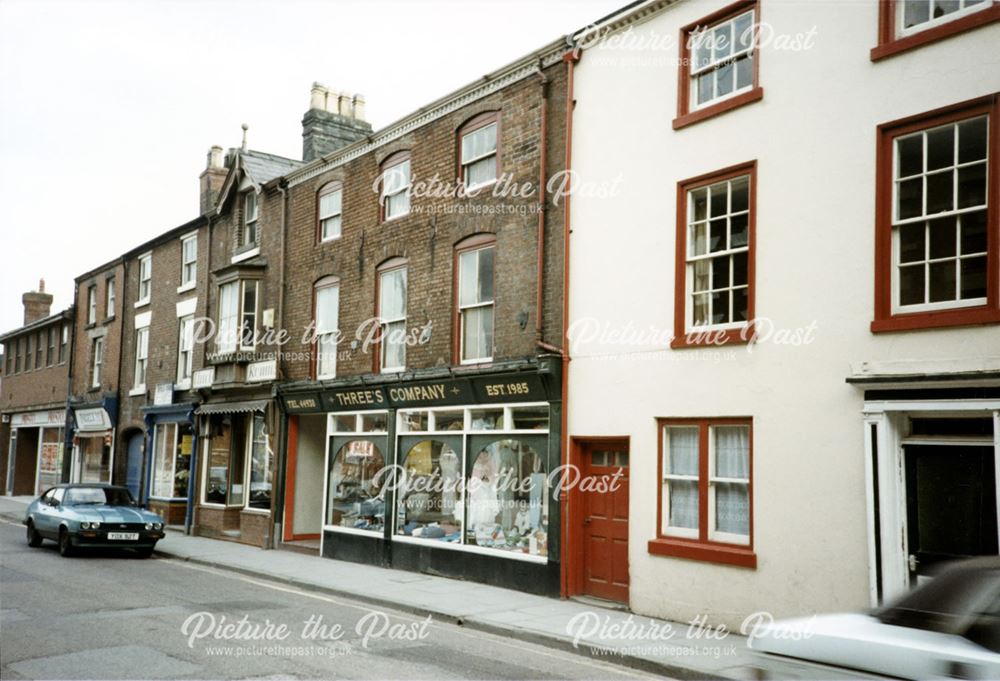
712,338
937,320
183,385
699,115
726,554
245,255
108,320
135,392
930,35
331,239
256,511
183,288
141,303
394,217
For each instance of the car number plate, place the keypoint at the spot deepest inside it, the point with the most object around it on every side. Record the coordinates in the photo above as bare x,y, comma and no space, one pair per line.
123,535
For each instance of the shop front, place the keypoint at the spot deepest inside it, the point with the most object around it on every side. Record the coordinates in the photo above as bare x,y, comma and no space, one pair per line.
93,444
171,464
35,451
452,476
235,471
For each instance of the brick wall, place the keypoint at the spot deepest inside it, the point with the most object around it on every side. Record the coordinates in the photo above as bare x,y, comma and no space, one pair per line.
82,366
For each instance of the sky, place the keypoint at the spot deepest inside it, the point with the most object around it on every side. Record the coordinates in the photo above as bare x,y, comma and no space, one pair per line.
108,108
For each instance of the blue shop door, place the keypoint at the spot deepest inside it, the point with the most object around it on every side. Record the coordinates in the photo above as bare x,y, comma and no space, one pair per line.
133,477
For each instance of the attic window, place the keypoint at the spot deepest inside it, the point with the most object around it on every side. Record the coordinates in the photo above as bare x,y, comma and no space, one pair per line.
249,218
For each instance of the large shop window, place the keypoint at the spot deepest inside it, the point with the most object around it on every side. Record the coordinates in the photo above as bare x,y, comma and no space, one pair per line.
358,474
226,461
937,239
475,478
475,263
705,490
95,459
172,460
50,459
261,466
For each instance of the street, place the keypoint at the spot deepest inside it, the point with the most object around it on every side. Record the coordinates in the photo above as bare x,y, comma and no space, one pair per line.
109,615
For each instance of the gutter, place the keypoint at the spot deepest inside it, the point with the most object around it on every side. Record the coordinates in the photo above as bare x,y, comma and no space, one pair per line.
542,161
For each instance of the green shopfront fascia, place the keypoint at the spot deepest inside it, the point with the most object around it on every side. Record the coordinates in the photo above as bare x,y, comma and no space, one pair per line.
450,476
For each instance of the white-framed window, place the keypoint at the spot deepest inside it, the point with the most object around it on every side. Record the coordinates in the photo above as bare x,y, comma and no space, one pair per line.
63,343
145,278
475,304
396,188
261,467
185,349
92,305
50,353
327,314
227,329
330,207
248,311
249,218
718,249
392,317
919,15
706,474
722,60
479,156
109,301
189,259
172,448
226,458
141,358
97,361
939,216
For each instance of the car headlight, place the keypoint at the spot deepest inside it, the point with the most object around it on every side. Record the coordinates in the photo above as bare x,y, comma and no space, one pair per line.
149,526
157,526
90,525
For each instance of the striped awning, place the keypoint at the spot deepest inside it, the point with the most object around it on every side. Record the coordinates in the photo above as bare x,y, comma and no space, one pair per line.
232,407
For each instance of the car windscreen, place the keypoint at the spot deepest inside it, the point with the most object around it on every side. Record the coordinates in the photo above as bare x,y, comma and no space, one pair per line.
945,603
112,496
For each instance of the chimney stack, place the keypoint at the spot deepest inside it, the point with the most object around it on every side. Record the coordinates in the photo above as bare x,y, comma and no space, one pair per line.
334,120
37,304
212,178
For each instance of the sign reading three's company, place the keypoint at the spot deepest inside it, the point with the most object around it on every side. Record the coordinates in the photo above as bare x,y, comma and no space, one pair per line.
526,387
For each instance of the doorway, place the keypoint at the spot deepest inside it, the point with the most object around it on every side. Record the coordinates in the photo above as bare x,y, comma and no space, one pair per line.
304,482
951,505
601,519
25,462
133,472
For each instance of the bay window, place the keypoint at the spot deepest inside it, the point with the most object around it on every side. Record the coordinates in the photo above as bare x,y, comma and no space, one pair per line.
395,199
326,317
330,207
475,262
172,447
705,490
237,321
936,246
392,316
714,277
479,161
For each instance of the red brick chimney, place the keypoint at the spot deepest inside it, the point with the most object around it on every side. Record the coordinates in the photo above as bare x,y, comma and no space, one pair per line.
37,304
211,179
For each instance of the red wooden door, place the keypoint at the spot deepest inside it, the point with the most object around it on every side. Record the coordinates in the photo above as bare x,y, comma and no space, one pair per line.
604,510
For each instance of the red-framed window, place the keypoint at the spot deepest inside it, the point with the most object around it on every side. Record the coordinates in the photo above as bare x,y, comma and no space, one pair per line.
907,24
390,310
937,231
394,186
714,268
479,151
329,210
705,490
719,63
474,299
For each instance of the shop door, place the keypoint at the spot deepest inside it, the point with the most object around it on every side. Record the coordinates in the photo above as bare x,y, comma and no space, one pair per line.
133,473
951,509
25,461
604,510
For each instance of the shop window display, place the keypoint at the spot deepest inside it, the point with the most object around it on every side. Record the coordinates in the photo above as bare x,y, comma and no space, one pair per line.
355,487
429,496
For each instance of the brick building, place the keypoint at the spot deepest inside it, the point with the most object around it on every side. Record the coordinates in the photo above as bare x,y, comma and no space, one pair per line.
421,290
94,375
33,397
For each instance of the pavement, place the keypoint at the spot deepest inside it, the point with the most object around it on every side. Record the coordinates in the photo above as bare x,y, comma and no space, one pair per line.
585,628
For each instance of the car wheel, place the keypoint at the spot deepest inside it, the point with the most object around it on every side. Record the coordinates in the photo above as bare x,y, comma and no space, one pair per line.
65,545
34,539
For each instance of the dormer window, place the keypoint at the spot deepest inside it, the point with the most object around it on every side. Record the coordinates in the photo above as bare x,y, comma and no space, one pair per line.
249,218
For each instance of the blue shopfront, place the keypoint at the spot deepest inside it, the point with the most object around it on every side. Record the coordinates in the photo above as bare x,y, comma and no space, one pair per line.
171,461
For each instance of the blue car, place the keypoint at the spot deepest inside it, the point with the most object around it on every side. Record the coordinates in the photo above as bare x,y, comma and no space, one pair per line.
90,516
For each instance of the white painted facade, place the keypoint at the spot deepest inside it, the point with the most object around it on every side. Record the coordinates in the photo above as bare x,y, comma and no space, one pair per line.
813,136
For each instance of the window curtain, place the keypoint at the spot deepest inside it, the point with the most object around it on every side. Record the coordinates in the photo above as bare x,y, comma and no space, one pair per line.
732,460
683,460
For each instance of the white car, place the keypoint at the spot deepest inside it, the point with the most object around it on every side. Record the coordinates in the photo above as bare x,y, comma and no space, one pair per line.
946,628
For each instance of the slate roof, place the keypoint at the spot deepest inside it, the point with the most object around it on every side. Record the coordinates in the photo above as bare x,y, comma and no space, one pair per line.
262,168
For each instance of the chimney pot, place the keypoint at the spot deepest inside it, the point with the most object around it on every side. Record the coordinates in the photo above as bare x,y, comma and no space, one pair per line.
215,157
37,304
317,97
359,107
345,106
41,286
